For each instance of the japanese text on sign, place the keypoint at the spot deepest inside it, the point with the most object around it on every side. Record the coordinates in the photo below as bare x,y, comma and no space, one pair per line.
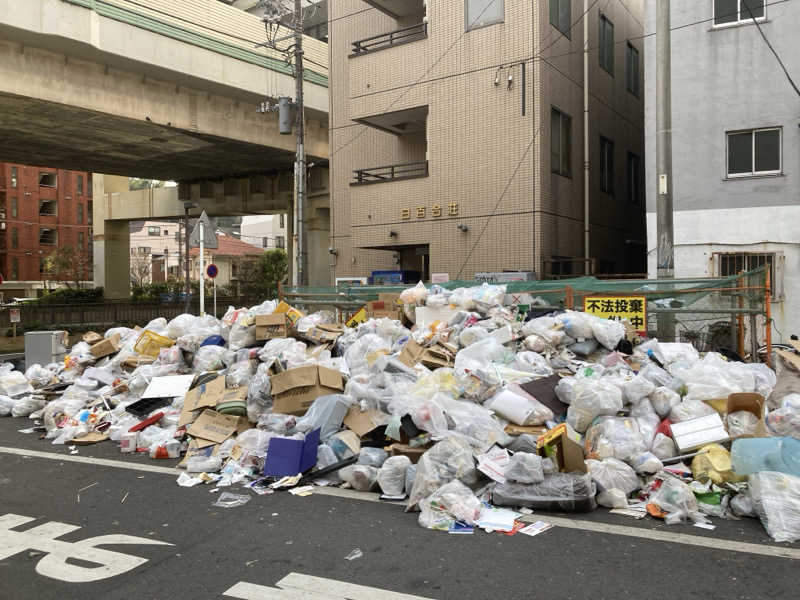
617,308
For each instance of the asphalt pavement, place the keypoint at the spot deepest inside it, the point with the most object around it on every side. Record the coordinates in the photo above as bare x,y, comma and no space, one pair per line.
206,551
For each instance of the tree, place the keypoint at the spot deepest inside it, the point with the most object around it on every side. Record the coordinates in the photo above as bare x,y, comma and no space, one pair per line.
70,265
136,183
140,269
261,277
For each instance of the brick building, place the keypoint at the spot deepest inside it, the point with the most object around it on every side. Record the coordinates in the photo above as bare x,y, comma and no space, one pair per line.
41,208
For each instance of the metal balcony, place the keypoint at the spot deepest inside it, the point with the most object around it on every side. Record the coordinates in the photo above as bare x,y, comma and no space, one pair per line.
389,173
393,38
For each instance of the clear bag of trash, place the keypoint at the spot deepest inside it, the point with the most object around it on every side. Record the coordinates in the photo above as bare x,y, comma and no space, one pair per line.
562,492
255,441
209,358
663,447
27,405
374,457
690,409
609,333
14,384
614,437
677,500
392,475
664,400
742,422
38,376
776,499
742,505
325,413
452,502
6,404
180,325
259,400
615,481
577,325
524,467
518,409
534,363
277,423
646,463
637,388
592,398
452,458
784,421
360,477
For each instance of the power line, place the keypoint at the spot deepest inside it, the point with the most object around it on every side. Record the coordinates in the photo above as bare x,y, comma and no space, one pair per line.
777,57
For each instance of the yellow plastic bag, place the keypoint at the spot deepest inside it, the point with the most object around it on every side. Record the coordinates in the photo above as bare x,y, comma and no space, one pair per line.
715,464
150,344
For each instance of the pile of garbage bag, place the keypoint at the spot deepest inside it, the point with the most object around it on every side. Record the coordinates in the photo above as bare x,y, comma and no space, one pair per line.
446,399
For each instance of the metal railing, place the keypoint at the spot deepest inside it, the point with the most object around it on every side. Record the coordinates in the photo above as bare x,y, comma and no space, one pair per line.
390,173
393,38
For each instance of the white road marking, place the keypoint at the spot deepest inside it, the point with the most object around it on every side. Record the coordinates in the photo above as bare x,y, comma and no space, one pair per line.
54,563
713,543
296,586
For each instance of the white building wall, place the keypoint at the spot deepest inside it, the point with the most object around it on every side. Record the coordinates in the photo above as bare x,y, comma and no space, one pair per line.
255,228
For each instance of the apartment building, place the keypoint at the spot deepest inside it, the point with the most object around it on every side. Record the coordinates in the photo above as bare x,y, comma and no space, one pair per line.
457,137
267,231
157,249
41,208
736,144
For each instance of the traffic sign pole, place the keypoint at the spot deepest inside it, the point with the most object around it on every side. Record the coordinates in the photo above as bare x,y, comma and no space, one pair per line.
215,297
202,276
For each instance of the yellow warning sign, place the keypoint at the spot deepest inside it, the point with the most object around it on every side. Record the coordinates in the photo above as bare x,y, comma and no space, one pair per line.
357,318
633,308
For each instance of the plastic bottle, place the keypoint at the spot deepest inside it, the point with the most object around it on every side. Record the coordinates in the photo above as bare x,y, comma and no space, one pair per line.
751,455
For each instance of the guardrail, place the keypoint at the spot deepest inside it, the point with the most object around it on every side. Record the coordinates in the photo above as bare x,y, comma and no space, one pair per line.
393,38
390,173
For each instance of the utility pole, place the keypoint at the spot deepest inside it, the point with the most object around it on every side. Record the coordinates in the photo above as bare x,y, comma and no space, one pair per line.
275,11
587,250
665,253
187,286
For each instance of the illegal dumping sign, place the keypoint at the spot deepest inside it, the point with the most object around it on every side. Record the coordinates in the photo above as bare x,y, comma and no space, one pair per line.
617,308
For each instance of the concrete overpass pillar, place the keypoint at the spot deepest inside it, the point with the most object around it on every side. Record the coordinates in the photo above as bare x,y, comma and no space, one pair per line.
111,239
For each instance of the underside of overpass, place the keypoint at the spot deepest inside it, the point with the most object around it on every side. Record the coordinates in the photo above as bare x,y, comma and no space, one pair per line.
121,88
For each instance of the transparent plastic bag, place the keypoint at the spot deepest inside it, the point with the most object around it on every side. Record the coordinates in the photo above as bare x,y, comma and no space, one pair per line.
519,409
664,400
637,388
392,475
546,328
14,384
277,423
475,424
470,335
663,447
360,477
242,336
646,463
364,351
577,325
614,437
609,333
481,356
255,441
27,405
524,467
590,399
180,325
452,458
239,374
209,358
415,295
611,474
534,363
776,499
374,457
567,492
6,404
677,499
452,502
742,422
38,376
325,413
785,421
690,409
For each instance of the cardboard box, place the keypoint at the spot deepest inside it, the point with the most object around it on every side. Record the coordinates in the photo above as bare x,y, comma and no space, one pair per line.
269,327
293,314
323,334
213,428
567,454
209,395
361,423
92,337
413,453
293,391
695,433
106,347
380,309
753,403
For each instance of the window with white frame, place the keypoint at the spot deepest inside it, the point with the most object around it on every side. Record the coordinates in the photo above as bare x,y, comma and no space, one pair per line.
480,13
731,12
754,152
727,264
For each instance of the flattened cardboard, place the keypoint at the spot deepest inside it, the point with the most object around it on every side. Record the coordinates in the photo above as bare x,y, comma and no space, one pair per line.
132,362
568,455
438,356
414,454
361,423
213,427
293,391
90,438
106,347
323,334
411,354
92,337
290,457
205,395
544,390
270,327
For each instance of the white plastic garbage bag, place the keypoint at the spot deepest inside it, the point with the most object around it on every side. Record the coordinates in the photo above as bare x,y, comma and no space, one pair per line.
525,467
452,458
452,502
592,398
614,437
615,481
637,388
664,400
609,333
690,409
392,475
677,499
518,409
776,499
360,477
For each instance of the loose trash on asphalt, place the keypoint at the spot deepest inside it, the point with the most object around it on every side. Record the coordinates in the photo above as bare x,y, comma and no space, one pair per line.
445,400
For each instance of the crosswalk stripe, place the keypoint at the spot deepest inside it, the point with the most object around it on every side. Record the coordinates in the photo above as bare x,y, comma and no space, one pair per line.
340,589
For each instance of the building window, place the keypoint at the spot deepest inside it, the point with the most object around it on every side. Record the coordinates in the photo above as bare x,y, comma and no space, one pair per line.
80,240
80,214
89,211
282,221
280,241
14,237
48,180
634,179
15,269
727,264
265,242
14,176
166,232
154,231
144,250
561,15
727,12
754,152
633,70
80,185
606,165
606,44
480,13
14,208
48,237
560,143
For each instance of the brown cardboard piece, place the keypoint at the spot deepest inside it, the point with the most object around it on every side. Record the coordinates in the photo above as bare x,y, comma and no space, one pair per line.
206,395
411,354
106,347
412,452
132,362
92,337
323,334
379,309
536,430
90,438
433,357
269,327
361,423
753,403
212,428
349,439
568,454
293,391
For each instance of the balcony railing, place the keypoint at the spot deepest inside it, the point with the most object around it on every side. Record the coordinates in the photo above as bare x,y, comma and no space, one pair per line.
393,38
390,173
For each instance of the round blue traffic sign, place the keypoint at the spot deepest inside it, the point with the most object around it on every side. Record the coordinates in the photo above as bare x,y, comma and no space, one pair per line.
212,271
